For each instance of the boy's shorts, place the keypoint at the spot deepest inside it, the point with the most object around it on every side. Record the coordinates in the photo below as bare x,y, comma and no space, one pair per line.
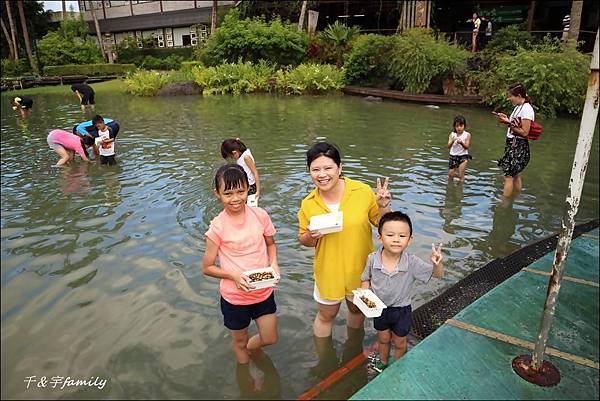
238,317
110,160
395,318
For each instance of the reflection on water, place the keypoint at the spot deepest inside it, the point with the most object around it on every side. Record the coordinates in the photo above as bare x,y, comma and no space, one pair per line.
259,380
101,265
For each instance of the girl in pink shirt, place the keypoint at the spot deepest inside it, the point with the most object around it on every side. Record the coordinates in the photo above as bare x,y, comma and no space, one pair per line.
242,238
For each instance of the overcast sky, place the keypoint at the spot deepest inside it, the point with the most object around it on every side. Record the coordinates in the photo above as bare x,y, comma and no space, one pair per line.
57,5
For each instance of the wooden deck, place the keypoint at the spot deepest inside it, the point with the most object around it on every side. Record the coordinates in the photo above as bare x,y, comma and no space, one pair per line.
422,98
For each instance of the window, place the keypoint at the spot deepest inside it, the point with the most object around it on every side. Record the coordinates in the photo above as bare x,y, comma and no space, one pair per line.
187,40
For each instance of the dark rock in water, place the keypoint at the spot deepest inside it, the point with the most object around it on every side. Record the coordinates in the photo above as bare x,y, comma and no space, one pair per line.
373,99
180,88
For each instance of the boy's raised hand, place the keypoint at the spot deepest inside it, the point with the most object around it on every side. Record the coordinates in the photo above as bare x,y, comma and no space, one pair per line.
436,254
384,198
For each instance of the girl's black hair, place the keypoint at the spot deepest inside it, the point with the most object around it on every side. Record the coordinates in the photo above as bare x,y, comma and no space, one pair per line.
459,120
232,175
323,149
519,89
394,216
229,145
87,141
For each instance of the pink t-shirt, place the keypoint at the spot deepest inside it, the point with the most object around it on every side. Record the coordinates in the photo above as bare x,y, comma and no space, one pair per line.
67,140
242,247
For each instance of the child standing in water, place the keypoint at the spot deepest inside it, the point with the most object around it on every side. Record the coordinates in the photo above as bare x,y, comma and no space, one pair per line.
105,142
459,142
242,238
235,149
390,273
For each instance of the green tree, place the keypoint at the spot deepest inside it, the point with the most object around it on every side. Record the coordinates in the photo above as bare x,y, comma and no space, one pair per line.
37,20
70,44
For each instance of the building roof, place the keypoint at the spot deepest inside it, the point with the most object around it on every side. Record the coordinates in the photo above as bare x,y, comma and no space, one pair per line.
152,21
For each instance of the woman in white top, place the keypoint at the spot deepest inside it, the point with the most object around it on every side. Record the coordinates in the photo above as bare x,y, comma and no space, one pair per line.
459,142
236,150
516,151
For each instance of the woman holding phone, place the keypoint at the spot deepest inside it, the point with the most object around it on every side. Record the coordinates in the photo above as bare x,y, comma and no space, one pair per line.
516,150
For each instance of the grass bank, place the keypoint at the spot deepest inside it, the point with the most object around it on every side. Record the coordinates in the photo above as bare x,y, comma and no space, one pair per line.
115,86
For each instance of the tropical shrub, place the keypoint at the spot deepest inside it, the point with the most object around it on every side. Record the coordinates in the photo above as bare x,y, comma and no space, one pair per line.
89,69
14,68
555,76
145,83
188,65
335,41
408,62
509,39
309,78
419,57
253,40
234,78
367,64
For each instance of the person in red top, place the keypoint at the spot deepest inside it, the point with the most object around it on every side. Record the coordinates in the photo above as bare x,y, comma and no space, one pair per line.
242,238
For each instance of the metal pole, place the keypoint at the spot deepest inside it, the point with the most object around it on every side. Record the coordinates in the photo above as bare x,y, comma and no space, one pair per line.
539,371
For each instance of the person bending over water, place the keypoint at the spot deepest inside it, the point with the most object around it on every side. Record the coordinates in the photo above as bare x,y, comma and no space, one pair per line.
66,144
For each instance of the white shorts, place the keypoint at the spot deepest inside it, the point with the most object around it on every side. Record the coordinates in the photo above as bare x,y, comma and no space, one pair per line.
317,297
52,145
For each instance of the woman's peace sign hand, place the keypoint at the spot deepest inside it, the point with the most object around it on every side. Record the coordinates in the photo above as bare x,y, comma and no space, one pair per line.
384,198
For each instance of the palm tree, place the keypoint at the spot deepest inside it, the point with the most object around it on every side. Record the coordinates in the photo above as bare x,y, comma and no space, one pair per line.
301,20
97,25
576,8
8,39
32,62
213,17
13,30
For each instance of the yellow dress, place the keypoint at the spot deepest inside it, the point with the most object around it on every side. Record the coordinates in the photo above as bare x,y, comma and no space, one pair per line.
340,257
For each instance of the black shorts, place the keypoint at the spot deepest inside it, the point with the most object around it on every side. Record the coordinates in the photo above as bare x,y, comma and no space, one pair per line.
238,317
455,161
87,98
395,318
110,160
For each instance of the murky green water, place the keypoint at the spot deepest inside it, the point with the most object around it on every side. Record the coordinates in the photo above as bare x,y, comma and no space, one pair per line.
101,266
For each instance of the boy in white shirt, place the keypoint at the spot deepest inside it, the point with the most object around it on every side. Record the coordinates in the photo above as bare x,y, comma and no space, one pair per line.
105,142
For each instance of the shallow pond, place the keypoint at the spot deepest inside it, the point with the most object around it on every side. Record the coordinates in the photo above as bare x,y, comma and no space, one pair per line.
101,267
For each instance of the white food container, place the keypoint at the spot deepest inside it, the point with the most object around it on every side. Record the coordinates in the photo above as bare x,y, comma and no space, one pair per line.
252,201
368,312
264,283
327,223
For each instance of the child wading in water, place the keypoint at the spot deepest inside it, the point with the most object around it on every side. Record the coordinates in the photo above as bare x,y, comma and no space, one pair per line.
390,273
105,142
242,238
236,150
459,142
